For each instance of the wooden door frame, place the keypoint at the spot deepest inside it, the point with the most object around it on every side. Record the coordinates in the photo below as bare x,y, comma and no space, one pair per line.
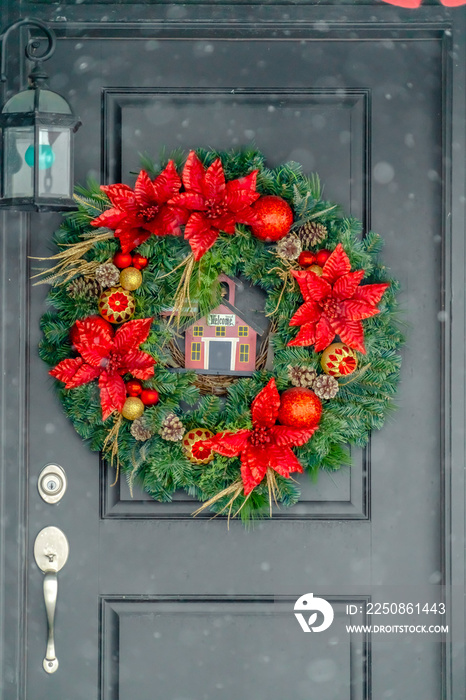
372,19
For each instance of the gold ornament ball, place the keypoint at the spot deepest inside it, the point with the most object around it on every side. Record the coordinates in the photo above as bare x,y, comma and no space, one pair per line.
338,360
133,408
201,455
316,269
116,305
130,278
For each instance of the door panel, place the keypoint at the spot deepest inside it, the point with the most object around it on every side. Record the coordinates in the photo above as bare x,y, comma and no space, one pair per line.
144,581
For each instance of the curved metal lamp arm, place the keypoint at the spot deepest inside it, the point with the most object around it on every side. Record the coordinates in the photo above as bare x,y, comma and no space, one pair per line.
31,46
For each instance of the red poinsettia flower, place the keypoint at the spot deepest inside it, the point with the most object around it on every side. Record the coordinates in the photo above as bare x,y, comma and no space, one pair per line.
215,205
138,213
107,356
334,304
266,446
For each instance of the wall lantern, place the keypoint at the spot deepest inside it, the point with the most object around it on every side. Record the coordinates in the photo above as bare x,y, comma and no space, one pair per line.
36,139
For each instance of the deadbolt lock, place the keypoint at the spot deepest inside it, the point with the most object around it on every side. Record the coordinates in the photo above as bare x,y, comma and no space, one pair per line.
52,483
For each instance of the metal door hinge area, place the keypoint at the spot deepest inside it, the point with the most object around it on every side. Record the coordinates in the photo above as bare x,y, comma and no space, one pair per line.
52,483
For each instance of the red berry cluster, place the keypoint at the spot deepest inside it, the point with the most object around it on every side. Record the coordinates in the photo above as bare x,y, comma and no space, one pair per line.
123,260
149,397
308,258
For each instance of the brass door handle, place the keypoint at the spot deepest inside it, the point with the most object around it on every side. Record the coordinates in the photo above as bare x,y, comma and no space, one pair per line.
51,550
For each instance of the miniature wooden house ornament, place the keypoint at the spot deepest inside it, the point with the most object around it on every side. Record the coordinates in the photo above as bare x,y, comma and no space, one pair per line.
225,340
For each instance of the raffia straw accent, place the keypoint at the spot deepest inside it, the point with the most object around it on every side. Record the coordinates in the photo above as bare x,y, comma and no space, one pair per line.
182,291
71,262
273,489
287,278
112,440
235,488
356,375
133,474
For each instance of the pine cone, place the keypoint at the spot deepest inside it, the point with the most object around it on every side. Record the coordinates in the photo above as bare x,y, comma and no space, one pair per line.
108,275
82,287
301,376
172,428
289,247
311,234
325,387
139,431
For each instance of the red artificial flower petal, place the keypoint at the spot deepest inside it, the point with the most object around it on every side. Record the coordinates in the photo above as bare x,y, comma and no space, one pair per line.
264,408
169,221
93,341
355,310
66,369
283,436
109,219
139,363
306,335
308,312
246,216
324,334
86,373
254,462
119,195
144,194
213,186
190,200
372,293
227,443
226,223
284,461
313,288
337,264
351,333
200,235
112,393
193,173
131,238
242,192
167,184
131,334
346,285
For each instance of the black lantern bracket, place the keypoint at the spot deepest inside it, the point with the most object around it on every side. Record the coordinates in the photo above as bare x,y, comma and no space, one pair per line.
37,127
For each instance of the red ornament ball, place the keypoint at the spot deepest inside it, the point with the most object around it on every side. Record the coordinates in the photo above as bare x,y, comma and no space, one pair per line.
122,260
149,397
274,218
299,408
139,261
306,258
98,320
133,387
322,256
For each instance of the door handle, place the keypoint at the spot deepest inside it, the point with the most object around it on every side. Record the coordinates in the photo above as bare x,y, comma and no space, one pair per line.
51,551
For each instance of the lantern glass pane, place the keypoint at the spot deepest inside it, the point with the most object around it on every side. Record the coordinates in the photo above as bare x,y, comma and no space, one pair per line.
48,102
18,176
54,162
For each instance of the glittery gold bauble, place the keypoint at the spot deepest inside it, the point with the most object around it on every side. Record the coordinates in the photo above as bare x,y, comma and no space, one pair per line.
201,455
116,305
317,269
130,278
338,360
133,408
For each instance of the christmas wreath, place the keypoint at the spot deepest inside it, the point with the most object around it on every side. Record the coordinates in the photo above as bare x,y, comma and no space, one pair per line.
161,369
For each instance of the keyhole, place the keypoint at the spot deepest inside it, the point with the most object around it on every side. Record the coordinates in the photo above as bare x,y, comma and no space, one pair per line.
51,485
